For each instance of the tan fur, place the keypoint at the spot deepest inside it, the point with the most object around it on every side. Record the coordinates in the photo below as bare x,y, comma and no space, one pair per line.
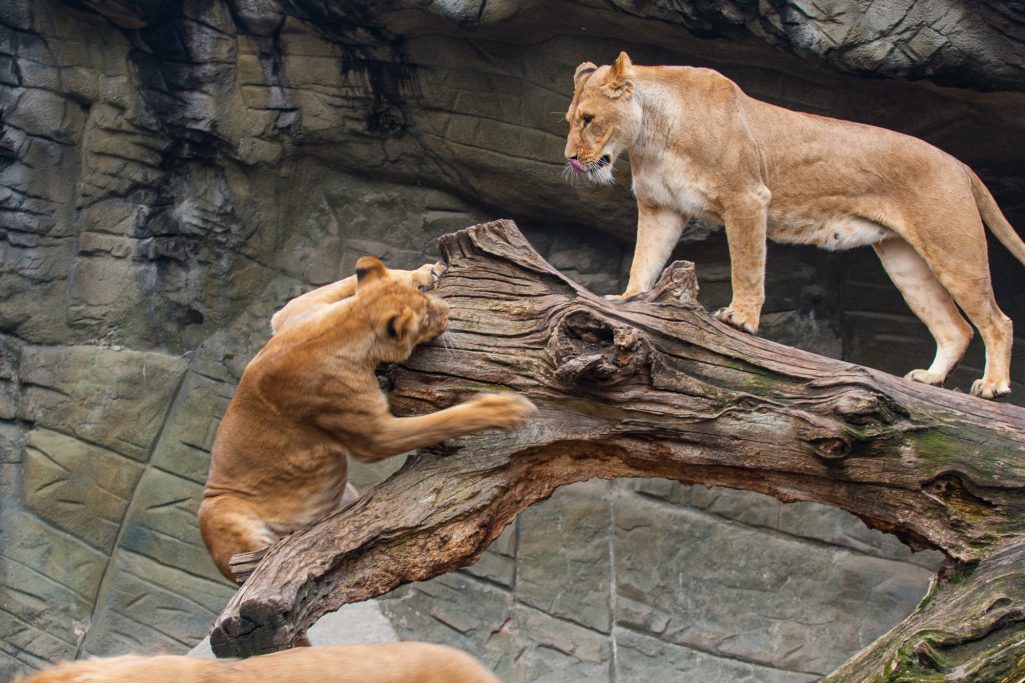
408,662
310,398
700,147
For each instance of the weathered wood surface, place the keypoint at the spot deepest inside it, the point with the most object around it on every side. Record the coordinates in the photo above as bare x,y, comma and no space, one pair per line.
654,387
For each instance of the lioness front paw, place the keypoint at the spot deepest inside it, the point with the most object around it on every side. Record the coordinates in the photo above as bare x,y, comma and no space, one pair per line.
984,388
746,323
621,297
427,274
503,411
925,377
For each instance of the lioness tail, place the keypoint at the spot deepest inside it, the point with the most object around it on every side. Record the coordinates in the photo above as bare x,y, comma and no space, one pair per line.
994,219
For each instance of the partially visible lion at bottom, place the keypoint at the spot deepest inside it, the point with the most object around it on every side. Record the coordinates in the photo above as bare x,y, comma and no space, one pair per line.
409,662
699,146
310,398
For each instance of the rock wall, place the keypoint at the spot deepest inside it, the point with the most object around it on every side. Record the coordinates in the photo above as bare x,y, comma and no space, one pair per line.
172,171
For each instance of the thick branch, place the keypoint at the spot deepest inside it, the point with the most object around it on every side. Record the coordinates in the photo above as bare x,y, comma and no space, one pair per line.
652,387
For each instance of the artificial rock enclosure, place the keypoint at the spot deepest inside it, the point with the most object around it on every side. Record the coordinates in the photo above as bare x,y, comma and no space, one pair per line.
171,172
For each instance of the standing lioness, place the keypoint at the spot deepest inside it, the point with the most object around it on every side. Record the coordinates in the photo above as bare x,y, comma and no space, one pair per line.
309,399
700,147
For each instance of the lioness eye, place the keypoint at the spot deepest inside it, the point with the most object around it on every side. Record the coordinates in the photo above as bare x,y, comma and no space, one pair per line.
587,118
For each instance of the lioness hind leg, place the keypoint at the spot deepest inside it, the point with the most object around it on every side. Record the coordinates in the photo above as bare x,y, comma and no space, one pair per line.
959,261
973,292
931,302
230,526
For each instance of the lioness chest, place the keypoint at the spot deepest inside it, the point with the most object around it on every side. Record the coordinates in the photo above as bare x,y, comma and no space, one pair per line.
682,187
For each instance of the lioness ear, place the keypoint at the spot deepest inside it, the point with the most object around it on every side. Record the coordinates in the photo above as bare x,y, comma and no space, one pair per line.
369,269
620,79
400,325
583,70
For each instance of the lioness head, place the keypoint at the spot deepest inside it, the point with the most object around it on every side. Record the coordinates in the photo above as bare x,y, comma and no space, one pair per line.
604,117
400,315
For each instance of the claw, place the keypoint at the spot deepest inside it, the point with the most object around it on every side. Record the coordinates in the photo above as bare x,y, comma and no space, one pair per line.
924,377
986,389
621,297
733,319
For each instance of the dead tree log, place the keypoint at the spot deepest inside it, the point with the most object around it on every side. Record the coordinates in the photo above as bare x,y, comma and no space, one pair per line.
654,387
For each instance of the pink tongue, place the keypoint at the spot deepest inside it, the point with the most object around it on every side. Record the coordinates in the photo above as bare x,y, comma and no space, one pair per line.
577,166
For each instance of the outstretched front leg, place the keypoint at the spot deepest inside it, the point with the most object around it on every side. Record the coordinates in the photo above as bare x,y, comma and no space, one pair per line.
658,231
381,435
305,305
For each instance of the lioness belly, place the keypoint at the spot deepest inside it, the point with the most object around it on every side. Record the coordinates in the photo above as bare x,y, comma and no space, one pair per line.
835,234
301,496
303,509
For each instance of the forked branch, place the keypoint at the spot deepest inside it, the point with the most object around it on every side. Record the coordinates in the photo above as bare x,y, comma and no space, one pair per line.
654,387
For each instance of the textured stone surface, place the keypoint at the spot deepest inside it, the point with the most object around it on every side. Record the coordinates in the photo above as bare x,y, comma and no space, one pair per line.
643,658
80,488
580,516
656,580
677,567
963,43
172,171
114,398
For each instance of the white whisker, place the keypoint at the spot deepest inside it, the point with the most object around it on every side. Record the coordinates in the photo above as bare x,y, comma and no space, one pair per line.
571,176
603,175
445,344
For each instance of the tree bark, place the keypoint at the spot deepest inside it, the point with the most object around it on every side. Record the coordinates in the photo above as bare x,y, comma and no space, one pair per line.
654,387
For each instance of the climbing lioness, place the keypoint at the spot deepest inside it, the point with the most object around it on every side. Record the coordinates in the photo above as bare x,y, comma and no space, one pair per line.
700,147
310,398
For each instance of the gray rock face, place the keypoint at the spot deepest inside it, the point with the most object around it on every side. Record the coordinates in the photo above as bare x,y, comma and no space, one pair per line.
650,580
171,172
975,44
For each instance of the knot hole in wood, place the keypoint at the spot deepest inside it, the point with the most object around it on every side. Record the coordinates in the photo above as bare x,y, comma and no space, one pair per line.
588,348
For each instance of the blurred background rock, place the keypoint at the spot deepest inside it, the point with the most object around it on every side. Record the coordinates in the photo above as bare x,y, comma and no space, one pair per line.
172,171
